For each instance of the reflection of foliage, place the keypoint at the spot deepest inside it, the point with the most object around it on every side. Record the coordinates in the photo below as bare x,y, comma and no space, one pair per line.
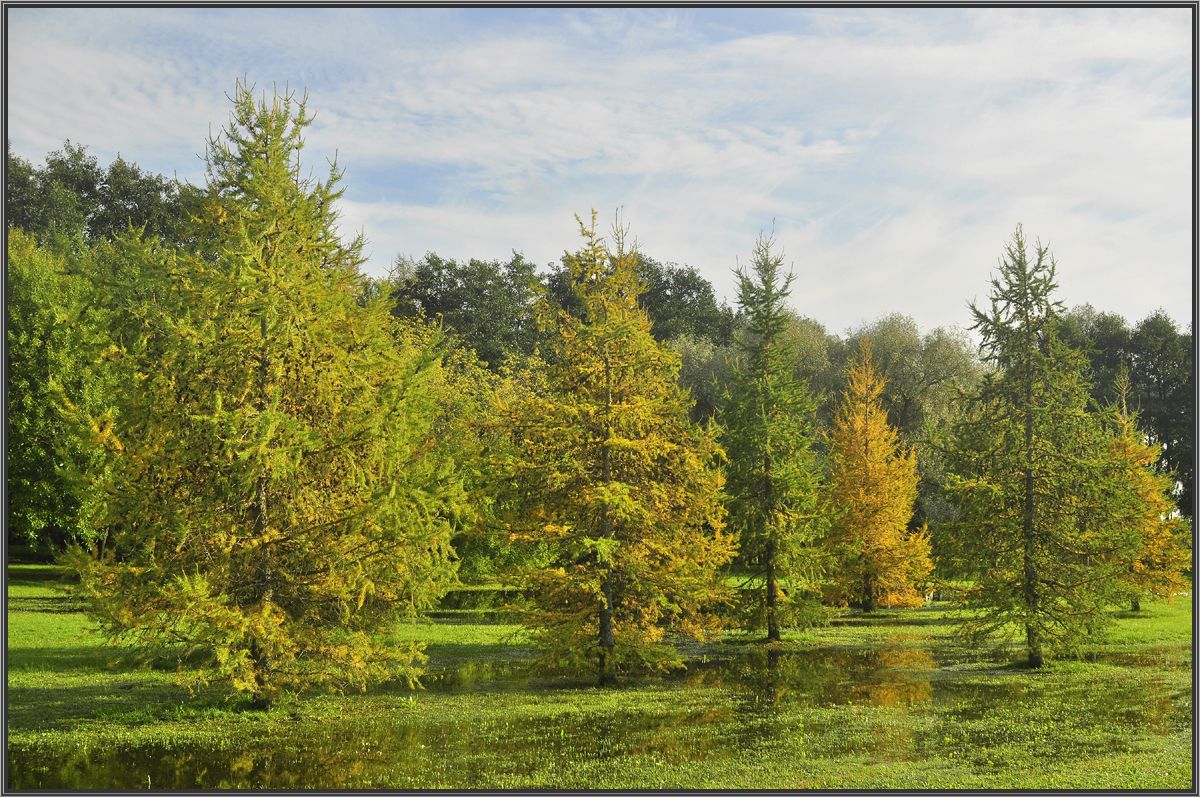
893,675
900,677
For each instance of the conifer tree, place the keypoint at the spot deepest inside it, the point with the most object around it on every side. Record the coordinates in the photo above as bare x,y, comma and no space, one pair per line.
1161,553
1030,468
873,485
614,478
773,472
276,497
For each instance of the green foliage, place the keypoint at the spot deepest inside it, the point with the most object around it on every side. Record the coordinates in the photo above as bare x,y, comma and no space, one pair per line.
72,195
1031,473
50,340
613,476
773,474
472,434
278,495
488,305
1104,339
1163,382
679,301
925,374
705,371
809,344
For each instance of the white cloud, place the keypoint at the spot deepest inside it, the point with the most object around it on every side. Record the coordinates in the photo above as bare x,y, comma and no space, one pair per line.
894,148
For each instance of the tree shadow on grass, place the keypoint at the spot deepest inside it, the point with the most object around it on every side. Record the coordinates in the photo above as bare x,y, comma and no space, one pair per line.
72,659
129,699
37,575
46,604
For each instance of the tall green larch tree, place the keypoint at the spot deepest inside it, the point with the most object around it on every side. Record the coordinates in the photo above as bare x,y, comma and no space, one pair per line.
773,472
1030,473
277,497
873,488
614,479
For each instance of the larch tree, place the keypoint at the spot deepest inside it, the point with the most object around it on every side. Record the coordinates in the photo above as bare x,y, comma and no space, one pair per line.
1031,474
614,479
873,489
774,480
277,498
1162,553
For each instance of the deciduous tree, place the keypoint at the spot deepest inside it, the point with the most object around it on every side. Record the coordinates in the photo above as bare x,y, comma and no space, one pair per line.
873,489
487,305
615,478
51,340
277,497
1143,504
1163,381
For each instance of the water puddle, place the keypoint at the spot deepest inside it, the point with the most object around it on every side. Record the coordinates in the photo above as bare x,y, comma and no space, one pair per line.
897,701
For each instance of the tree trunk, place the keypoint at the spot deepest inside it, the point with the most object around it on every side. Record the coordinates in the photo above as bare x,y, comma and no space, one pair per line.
262,698
1135,605
772,587
869,555
772,594
1029,589
607,639
868,594
263,592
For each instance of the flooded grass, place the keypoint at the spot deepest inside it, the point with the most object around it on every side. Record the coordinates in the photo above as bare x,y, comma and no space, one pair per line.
888,701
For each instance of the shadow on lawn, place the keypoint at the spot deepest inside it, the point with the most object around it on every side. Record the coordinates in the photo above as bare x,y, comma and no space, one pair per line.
62,659
128,699
37,575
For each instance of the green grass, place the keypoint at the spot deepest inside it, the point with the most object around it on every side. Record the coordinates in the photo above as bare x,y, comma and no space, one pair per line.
890,701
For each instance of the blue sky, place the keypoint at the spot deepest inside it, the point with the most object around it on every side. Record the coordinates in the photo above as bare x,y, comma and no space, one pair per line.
892,150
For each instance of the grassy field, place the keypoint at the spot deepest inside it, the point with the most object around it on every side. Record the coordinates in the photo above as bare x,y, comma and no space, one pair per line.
893,701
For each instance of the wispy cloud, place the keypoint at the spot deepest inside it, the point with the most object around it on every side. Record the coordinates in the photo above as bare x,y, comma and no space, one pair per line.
893,150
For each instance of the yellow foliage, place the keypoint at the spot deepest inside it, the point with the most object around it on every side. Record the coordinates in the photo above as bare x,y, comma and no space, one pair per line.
873,488
1160,554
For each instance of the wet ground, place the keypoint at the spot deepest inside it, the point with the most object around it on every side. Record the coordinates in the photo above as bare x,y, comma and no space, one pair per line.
493,724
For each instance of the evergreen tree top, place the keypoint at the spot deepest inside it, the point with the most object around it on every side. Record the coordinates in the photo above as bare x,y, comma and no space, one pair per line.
762,292
1020,301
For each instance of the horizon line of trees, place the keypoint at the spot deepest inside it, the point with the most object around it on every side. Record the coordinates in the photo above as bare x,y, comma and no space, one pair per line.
261,458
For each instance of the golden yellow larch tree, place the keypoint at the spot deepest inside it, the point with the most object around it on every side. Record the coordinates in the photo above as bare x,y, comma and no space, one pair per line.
1162,554
873,487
